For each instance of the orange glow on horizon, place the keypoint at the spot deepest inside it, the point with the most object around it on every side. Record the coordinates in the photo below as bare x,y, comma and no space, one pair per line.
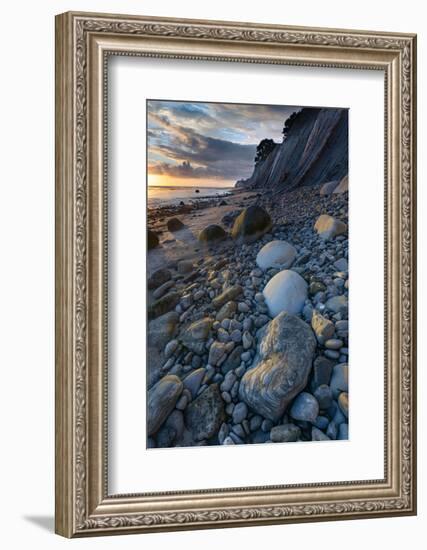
168,181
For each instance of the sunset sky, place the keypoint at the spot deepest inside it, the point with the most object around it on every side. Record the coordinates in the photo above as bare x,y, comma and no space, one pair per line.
207,144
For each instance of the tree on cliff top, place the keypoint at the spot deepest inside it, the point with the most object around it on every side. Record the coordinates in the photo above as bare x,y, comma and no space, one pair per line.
288,124
264,148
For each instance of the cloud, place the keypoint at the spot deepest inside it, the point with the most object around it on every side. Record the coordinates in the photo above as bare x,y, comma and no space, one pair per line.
183,170
216,140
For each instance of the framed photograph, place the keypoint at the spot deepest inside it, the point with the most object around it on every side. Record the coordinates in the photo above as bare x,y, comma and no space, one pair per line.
235,265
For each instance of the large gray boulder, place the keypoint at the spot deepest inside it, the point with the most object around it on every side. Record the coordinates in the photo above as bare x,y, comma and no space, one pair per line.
161,401
204,415
277,254
281,366
286,291
251,224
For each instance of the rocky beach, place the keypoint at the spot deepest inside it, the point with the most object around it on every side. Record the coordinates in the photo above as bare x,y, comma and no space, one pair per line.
248,338
248,319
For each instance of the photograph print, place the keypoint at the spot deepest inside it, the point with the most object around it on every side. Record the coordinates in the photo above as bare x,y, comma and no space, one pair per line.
247,274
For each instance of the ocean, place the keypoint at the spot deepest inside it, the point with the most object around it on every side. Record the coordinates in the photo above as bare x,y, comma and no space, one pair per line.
172,195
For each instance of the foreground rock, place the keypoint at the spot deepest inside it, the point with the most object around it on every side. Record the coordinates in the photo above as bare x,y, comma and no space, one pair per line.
163,305
251,224
160,332
328,227
277,254
161,401
285,433
281,367
152,239
194,336
228,295
158,278
204,415
212,233
286,291
323,328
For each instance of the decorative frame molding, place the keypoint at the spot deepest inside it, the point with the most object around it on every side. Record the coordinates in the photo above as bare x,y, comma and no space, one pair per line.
83,43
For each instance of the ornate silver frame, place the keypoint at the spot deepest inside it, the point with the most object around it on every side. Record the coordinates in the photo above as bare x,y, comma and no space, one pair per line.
83,42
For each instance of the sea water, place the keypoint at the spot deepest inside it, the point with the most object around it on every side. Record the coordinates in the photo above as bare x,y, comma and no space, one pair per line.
172,195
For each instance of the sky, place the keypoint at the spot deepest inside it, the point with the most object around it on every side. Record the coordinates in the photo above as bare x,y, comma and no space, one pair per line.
207,144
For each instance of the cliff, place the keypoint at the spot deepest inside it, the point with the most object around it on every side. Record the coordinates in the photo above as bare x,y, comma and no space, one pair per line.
315,151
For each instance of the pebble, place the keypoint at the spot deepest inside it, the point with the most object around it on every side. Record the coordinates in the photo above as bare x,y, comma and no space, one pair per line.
236,336
226,397
198,295
182,403
238,430
334,344
235,325
247,324
285,433
223,433
247,340
343,431
321,422
305,407
331,354
223,335
332,430
240,412
229,409
255,423
246,356
242,307
339,380
225,323
266,425
216,352
170,348
318,435
343,403
228,441
323,394
228,382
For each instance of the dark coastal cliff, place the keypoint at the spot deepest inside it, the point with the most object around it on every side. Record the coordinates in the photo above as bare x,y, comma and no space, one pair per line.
315,151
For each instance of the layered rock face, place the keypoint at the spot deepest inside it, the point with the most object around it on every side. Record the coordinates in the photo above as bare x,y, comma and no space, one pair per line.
315,151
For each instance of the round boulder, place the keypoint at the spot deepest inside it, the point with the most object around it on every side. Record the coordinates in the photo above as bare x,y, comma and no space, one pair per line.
328,227
277,254
251,224
174,224
212,233
286,291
